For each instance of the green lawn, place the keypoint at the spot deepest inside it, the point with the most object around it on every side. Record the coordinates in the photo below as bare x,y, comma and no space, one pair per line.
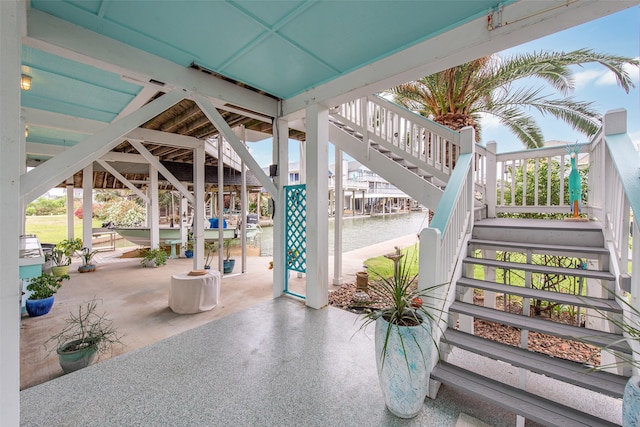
53,228
384,267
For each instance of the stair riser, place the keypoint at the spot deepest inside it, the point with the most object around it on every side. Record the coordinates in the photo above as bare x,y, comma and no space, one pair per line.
581,255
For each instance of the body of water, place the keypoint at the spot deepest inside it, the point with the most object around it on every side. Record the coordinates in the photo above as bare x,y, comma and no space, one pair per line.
359,232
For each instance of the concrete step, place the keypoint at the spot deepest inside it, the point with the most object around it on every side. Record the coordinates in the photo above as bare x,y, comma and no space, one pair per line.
531,406
601,304
560,369
562,330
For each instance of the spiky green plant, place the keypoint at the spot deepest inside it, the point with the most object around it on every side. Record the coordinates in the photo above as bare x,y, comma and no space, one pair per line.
404,302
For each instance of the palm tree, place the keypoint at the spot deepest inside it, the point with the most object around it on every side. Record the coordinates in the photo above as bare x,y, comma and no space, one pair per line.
456,97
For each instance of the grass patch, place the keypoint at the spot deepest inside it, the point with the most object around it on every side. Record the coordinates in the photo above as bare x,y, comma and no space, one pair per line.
53,228
383,267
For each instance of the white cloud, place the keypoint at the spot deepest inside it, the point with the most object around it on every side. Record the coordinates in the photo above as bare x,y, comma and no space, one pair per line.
609,79
603,77
489,121
587,77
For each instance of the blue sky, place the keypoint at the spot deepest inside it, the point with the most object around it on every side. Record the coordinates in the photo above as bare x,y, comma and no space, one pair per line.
617,34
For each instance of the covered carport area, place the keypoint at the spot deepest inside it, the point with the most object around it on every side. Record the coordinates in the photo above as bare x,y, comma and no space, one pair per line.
104,73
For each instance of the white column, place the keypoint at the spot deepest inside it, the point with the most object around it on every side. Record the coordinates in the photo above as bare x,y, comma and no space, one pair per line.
11,166
153,216
317,206
280,158
491,196
87,206
198,210
221,251
302,170
184,222
337,226
244,209
258,206
70,230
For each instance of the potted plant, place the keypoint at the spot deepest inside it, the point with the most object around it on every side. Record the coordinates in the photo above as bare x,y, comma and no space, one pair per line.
85,335
42,289
61,255
228,262
87,256
209,251
154,258
403,338
188,247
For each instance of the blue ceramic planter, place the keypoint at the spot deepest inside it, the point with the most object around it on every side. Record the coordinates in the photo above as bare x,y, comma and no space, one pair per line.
228,266
631,403
39,307
404,375
188,253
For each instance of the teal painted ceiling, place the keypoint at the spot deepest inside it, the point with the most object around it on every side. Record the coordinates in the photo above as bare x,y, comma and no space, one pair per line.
280,47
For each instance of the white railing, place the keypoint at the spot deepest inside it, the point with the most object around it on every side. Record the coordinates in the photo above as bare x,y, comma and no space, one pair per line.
621,197
536,181
612,193
424,143
443,244
230,157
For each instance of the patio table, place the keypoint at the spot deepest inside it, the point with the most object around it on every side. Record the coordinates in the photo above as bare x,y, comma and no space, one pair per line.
194,294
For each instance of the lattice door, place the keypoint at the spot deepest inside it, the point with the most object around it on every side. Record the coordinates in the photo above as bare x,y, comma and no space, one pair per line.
295,231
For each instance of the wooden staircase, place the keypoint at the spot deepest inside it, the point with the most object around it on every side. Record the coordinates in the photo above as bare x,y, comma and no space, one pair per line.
525,242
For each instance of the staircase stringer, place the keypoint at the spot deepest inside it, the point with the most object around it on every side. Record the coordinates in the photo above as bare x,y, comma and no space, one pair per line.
411,184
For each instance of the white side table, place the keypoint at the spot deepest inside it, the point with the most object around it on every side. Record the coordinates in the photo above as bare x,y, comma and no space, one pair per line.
194,294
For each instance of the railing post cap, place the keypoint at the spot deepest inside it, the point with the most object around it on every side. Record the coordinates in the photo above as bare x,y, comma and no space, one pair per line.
615,121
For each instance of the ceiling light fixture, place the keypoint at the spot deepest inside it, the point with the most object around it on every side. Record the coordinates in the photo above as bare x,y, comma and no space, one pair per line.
25,82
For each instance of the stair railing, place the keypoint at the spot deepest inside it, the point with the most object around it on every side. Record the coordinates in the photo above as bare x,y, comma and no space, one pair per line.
230,157
423,142
444,241
621,182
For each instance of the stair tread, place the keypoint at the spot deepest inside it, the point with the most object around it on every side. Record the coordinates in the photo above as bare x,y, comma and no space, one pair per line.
591,336
545,247
521,402
578,272
570,299
560,369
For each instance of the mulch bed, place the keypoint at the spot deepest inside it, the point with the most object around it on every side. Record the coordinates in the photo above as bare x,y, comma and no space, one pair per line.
542,343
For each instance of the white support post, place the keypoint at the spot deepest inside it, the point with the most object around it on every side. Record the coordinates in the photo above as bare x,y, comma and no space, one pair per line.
489,276
430,246
184,223
615,121
491,175
198,209
317,206
243,215
281,159
87,207
153,216
337,224
70,230
11,213
220,203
